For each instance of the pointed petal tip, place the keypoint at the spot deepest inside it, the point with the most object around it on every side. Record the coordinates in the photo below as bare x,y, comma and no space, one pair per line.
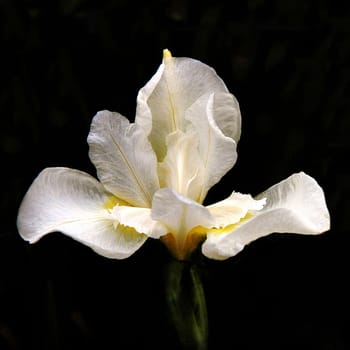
167,54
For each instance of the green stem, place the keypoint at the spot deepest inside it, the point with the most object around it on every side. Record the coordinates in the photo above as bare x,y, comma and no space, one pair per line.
186,304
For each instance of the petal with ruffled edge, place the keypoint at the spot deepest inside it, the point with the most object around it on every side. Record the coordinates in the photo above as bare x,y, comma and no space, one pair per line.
139,219
162,103
76,204
181,216
124,158
234,208
295,205
217,151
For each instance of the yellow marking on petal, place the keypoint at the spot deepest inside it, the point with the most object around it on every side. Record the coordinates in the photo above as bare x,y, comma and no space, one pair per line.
183,250
129,233
112,201
167,54
230,228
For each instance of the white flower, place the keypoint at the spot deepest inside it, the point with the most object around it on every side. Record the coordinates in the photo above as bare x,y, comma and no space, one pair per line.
155,173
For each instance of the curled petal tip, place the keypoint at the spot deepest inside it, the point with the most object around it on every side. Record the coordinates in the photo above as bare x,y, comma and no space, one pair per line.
166,54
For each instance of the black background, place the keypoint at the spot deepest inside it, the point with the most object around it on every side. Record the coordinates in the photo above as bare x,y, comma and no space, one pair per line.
287,64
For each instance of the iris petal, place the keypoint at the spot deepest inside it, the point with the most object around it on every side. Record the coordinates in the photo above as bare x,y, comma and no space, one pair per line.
76,204
162,103
295,205
181,216
217,151
182,169
124,158
139,219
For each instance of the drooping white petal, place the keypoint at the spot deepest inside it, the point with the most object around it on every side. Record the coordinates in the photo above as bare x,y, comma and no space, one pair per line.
182,168
162,103
179,213
76,204
234,208
295,205
124,158
217,151
139,219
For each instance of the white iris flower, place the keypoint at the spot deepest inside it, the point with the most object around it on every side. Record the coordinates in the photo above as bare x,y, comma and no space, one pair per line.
155,174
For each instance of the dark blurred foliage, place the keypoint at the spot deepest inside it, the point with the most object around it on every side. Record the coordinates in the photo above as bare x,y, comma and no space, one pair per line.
285,61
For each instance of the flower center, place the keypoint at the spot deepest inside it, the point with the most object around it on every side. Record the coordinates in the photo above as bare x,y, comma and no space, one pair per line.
183,248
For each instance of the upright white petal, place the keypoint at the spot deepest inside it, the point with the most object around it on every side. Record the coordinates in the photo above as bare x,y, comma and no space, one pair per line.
123,156
162,103
217,151
182,168
143,110
76,204
295,205
227,115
